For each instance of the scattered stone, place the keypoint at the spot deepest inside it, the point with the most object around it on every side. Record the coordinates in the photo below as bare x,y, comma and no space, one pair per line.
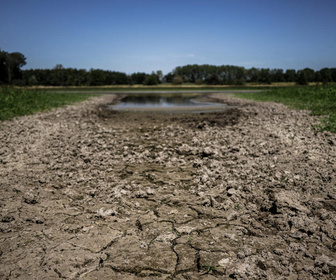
224,262
106,213
30,198
231,192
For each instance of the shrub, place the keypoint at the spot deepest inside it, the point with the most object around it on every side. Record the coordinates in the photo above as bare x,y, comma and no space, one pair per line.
152,80
199,81
177,80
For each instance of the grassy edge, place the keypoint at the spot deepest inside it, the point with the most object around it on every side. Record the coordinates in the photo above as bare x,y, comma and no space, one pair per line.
19,102
319,100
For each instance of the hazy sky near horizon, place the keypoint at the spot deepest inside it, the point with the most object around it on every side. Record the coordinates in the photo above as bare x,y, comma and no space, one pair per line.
148,35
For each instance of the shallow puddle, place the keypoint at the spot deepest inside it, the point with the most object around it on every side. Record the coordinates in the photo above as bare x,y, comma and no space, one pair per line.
171,102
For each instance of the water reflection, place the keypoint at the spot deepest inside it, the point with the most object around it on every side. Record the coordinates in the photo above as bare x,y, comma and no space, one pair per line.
162,101
168,102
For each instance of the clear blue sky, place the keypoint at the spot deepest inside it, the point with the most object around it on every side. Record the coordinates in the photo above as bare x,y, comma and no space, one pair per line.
149,35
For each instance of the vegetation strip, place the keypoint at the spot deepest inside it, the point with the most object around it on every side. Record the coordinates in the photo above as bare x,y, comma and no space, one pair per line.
18,102
321,100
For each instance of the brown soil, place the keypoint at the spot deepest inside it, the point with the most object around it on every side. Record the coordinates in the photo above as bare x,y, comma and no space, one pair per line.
88,193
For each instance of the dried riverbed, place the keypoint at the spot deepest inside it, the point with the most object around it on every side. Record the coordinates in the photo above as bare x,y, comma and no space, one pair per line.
87,193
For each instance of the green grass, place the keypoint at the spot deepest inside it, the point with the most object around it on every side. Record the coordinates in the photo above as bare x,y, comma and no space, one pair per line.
320,100
209,268
19,102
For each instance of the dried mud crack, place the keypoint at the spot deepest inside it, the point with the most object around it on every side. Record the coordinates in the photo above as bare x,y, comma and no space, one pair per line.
89,193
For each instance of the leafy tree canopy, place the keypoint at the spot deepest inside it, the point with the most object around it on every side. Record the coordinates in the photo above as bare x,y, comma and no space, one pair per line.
10,64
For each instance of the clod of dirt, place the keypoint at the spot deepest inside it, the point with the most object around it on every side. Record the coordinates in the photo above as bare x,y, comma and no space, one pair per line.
90,193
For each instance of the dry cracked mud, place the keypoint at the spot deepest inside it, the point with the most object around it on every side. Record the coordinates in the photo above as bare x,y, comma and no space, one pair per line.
88,193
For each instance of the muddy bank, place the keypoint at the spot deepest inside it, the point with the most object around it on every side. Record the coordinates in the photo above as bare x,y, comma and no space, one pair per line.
87,193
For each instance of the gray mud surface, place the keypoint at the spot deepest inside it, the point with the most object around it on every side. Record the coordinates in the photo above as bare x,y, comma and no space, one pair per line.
88,193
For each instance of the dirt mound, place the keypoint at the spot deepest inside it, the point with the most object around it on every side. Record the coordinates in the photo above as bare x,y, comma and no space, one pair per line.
87,193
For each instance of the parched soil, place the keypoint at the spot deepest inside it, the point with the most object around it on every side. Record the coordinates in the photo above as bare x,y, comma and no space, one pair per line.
88,193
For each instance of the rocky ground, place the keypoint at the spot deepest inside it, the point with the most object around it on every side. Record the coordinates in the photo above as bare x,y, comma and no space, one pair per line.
87,193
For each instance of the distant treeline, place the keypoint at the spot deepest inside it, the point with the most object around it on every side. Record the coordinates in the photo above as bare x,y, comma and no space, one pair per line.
235,75
11,73
198,74
59,76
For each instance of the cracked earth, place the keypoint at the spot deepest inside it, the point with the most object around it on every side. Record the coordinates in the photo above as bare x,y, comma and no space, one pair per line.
88,193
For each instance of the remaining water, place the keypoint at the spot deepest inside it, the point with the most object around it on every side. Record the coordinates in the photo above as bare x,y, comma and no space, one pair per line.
164,101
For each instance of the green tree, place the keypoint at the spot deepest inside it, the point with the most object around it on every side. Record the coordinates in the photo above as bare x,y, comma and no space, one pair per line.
168,78
302,78
290,75
159,74
317,77
138,78
14,62
252,75
58,75
10,64
277,75
152,80
3,72
264,76
240,76
97,77
309,74
213,79
325,75
333,74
